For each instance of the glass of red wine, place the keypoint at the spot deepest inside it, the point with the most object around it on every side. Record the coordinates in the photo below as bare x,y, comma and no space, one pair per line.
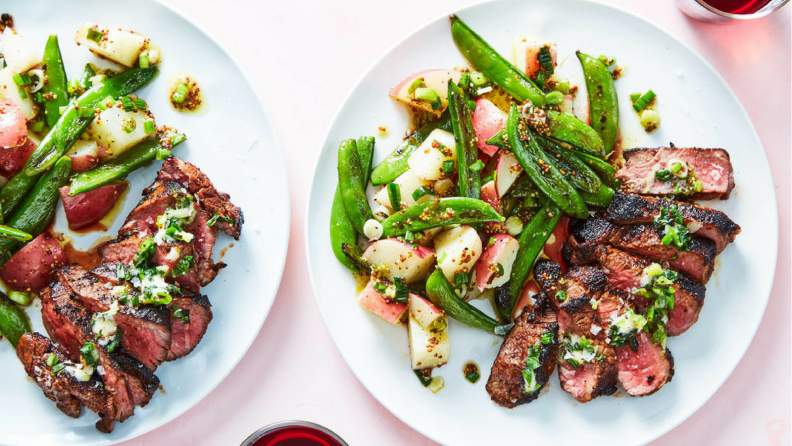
724,11
294,433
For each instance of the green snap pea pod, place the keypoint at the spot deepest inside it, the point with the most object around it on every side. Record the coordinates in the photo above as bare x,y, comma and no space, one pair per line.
14,321
442,294
606,172
119,167
350,181
603,102
532,239
442,212
569,129
545,175
341,230
577,172
500,140
17,188
14,234
38,208
600,199
395,164
70,125
493,65
466,148
54,90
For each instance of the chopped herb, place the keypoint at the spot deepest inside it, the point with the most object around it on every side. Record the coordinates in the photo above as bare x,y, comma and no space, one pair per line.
417,83
424,376
115,342
58,368
183,266
529,372
380,288
642,102
422,191
127,103
402,292
89,353
181,314
674,229
473,377
547,338
145,252
561,295
663,175
94,35
478,165
216,217
52,359
448,167
394,195
545,59
461,278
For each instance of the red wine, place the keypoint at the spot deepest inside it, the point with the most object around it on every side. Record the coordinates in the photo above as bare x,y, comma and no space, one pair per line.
295,436
738,6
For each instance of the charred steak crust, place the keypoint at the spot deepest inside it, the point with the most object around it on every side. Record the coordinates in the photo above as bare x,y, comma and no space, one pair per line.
715,225
506,384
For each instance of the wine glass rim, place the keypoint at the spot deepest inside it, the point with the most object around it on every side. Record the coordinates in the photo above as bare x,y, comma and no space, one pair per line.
755,15
291,423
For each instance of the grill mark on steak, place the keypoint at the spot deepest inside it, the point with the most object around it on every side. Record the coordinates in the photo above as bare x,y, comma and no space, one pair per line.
67,392
715,225
156,199
187,335
712,167
506,384
698,261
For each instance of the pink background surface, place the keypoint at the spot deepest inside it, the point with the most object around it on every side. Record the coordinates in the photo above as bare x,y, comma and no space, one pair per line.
319,50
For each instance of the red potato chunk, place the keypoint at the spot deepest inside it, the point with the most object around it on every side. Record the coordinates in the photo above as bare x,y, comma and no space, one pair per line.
494,267
90,207
30,269
487,121
13,127
392,312
13,159
401,259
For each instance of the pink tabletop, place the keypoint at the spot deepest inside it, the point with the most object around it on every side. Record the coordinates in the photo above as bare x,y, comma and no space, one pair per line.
319,49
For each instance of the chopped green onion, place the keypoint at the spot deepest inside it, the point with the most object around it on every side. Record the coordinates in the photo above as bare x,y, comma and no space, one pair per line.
460,279
22,93
473,377
89,353
545,59
416,84
401,290
130,125
140,104
675,168
478,79
424,376
87,112
148,126
663,175
409,237
37,125
554,98
38,97
421,191
57,368
394,195
478,165
644,101
52,359
21,79
448,167
143,59
380,288
180,93
126,102
20,297
561,295
94,35
635,96
430,96
698,186
547,338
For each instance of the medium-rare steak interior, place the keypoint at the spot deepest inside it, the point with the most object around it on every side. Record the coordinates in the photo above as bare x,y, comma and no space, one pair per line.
113,325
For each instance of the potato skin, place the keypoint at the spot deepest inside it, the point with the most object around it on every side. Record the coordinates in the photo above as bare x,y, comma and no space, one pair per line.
31,267
87,208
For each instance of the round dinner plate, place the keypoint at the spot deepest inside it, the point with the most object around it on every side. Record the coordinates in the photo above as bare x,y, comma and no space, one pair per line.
698,110
232,141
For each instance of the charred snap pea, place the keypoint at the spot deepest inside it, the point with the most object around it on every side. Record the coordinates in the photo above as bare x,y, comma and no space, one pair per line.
442,294
341,230
532,239
14,234
466,148
500,140
12,194
396,163
606,172
350,183
601,198
442,212
121,166
545,175
54,91
576,171
36,212
493,65
70,125
569,129
13,320
603,102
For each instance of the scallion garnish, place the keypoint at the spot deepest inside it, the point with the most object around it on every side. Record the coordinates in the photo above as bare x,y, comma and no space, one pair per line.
140,104
87,112
94,35
180,93
52,359
448,167
37,126
409,237
473,377
127,103
430,96
545,59
461,278
547,338
644,101
143,59
402,292
22,93
663,175
130,125
416,84
421,191
478,165
531,364
89,353
380,288
478,79
148,126
561,295
394,195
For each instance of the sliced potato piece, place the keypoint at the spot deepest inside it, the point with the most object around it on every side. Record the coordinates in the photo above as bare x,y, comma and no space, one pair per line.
20,96
18,54
429,348
118,129
458,249
427,161
408,183
119,45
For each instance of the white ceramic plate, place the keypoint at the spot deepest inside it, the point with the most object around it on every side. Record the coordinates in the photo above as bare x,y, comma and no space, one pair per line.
233,143
697,109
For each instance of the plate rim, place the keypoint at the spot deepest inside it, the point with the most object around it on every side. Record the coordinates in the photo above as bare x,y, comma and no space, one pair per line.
280,261
309,210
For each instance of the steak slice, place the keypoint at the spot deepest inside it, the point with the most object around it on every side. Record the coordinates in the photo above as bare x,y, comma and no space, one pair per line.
188,330
145,329
157,198
547,273
712,167
203,244
627,209
645,370
68,393
506,384
210,199
624,272
645,240
596,374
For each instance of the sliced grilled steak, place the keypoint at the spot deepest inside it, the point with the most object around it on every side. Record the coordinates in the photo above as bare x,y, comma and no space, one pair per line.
506,384
646,240
203,243
546,274
626,209
69,325
189,328
644,371
66,391
210,199
624,272
157,198
596,373
711,166
146,329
